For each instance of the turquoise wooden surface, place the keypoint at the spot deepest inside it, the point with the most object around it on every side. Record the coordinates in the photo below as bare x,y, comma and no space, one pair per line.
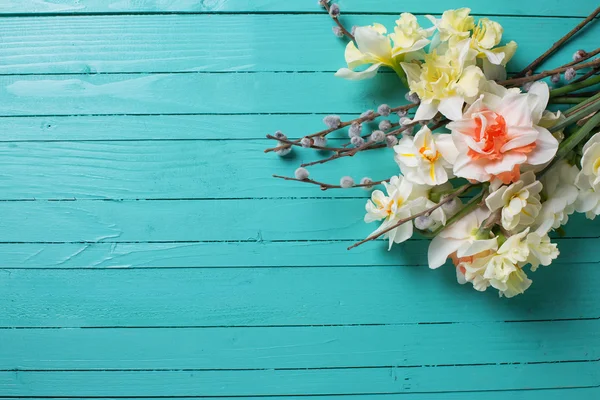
146,252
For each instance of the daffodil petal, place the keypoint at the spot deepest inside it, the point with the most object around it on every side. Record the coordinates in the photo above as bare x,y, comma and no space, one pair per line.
357,76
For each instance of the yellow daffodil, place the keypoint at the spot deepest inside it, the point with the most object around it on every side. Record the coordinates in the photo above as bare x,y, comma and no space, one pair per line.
455,25
486,35
445,80
375,47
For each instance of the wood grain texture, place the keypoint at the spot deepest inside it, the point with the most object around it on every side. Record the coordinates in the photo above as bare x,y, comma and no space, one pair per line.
220,43
283,296
507,7
198,221
183,270
257,254
316,381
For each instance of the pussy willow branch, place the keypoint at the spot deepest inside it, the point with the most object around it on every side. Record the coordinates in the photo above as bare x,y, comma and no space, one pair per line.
325,186
559,43
582,78
343,124
352,151
446,199
545,74
325,3
294,143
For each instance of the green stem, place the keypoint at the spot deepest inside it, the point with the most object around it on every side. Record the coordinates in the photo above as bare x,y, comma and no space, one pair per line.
577,115
583,103
567,100
575,86
572,141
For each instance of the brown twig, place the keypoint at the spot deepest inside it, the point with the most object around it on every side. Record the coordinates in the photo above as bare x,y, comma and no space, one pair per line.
325,186
545,74
325,4
558,44
343,124
582,78
446,199
294,143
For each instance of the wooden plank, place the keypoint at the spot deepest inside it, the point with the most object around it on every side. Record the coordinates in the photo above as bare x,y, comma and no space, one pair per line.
299,347
175,221
590,393
258,254
282,296
507,7
318,381
187,93
160,127
174,169
177,43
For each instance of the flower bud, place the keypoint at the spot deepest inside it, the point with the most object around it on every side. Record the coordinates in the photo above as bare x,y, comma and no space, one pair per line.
355,129
332,121
385,125
423,222
319,141
405,121
412,97
367,113
555,78
301,173
346,182
367,182
384,110
306,142
334,10
391,140
284,151
357,141
570,74
579,55
337,31
279,135
451,206
377,136
402,113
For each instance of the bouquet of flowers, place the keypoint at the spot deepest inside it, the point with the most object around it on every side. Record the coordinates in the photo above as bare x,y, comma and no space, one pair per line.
474,131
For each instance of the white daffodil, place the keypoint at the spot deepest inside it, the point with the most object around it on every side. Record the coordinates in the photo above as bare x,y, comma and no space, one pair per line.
408,35
460,240
549,119
454,26
541,250
375,47
498,134
520,202
426,159
561,194
588,201
403,199
590,162
445,80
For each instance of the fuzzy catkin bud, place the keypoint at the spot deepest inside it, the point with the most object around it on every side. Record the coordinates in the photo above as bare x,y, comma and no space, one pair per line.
319,141
451,206
405,121
367,113
306,142
334,10
346,182
579,55
555,78
337,31
384,110
355,129
412,97
367,182
377,136
570,74
284,151
391,140
402,113
423,222
279,135
357,141
385,125
301,173
332,121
